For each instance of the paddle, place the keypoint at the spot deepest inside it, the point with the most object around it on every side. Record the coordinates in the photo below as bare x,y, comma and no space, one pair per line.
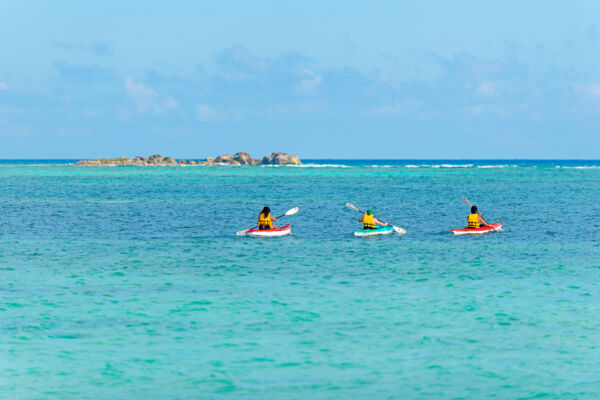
397,229
288,212
467,202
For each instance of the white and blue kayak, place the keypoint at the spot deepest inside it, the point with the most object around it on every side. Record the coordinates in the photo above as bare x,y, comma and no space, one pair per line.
381,230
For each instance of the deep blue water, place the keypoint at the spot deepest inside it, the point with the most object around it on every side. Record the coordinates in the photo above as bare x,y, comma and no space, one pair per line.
129,282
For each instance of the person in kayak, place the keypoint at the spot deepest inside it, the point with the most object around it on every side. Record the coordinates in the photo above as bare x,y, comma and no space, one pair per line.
475,220
265,220
369,221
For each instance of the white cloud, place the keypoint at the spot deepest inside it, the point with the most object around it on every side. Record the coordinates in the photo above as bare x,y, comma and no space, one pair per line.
96,48
89,112
15,131
147,100
237,63
9,113
3,85
204,112
408,106
487,89
310,82
591,90
73,131
274,111
169,103
476,109
395,108
139,91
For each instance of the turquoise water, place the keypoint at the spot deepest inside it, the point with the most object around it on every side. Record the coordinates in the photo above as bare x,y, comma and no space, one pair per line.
129,283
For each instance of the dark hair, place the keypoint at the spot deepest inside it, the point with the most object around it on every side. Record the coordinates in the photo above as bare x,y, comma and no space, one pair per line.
266,211
473,209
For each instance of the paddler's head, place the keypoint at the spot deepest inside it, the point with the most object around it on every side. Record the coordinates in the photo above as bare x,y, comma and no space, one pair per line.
473,209
370,212
266,211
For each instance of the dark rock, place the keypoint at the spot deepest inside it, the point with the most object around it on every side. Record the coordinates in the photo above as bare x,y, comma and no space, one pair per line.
281,159
245,159
155,159
226,159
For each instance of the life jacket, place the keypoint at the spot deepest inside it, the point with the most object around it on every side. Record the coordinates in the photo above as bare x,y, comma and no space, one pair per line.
264,221
473,221
368,221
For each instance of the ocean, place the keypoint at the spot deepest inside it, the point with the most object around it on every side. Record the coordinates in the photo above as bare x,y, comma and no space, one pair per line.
130,283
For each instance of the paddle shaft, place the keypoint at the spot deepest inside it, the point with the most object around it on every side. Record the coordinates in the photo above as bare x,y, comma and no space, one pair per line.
466,201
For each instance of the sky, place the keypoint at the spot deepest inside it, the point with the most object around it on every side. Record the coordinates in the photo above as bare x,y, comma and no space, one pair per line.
337,79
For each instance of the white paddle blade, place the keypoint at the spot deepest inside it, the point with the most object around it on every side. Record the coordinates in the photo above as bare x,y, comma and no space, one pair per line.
399,230
467,202
241,233
352,207
292,211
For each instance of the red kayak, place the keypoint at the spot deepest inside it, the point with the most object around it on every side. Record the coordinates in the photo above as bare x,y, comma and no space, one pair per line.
478,231
281,231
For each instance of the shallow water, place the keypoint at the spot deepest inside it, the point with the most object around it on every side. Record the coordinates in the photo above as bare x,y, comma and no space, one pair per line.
129,282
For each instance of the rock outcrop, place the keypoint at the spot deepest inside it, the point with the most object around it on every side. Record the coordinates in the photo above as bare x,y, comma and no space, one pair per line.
245,159
240,158
281,159
225,159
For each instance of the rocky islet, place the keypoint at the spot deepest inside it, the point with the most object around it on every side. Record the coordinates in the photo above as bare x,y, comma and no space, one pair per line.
241,158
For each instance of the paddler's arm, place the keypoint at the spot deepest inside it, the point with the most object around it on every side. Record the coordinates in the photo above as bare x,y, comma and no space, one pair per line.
379,222
273,218
361,219
483,221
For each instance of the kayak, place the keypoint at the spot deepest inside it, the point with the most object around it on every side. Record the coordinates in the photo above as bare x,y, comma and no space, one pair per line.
382,230
275,232
478,231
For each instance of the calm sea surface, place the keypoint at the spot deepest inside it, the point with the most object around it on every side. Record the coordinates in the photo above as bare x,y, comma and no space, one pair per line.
129,282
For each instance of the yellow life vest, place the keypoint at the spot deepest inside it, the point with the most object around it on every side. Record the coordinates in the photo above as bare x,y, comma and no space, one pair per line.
473,221
368,221
264,222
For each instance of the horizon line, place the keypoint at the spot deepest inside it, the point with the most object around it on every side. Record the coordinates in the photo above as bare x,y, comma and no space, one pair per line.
341,159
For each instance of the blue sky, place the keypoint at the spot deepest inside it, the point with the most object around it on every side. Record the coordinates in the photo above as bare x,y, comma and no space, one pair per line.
466,79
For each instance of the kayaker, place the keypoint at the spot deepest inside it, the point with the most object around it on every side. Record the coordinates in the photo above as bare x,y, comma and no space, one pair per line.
369,221
475,220
265,219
